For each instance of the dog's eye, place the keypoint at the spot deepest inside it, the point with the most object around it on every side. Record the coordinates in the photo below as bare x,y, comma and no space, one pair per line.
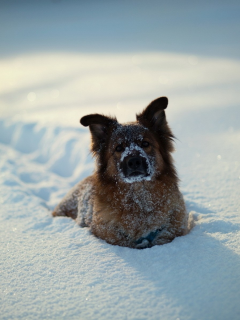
145,144
119,148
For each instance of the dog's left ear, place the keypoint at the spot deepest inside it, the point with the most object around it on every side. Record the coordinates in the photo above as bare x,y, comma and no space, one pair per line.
99,126
154,115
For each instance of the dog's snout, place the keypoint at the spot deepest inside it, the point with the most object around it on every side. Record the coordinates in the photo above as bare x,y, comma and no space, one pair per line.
134,163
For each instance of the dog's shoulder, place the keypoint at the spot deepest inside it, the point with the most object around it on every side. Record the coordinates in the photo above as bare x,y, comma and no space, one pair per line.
81,192
85,201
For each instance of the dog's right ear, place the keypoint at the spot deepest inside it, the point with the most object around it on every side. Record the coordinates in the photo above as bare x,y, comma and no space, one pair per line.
99,126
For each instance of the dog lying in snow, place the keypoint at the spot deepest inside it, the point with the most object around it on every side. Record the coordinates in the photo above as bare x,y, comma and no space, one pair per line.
132,199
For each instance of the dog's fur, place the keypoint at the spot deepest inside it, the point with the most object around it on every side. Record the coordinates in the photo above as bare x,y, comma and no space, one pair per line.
132,199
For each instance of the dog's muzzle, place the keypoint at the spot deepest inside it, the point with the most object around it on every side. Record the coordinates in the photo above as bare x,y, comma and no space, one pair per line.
134,166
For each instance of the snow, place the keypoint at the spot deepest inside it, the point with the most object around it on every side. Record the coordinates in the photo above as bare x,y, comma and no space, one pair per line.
53,269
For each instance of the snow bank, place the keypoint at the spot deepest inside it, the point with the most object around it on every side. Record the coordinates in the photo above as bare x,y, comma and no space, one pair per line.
62,87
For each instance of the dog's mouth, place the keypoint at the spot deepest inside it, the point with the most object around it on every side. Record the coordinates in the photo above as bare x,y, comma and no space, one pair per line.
137,174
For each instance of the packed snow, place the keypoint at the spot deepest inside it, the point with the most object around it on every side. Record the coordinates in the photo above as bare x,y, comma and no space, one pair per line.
51,268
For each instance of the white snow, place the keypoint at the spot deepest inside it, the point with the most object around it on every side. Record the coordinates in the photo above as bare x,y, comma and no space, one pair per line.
50,268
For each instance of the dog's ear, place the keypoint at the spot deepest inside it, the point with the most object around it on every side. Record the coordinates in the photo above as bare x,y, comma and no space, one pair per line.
154,118
99,126
154,115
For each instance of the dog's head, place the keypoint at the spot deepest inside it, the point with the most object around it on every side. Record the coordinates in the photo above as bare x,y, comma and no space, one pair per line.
134,151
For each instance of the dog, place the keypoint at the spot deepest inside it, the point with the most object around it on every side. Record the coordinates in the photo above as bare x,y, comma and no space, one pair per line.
132,199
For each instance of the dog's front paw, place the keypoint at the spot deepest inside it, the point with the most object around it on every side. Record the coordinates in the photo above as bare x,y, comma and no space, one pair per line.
149,240
143,244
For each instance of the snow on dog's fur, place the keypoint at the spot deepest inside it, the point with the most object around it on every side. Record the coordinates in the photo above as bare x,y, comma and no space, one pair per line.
132,199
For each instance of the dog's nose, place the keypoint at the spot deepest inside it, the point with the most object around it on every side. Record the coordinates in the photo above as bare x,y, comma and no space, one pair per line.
134,163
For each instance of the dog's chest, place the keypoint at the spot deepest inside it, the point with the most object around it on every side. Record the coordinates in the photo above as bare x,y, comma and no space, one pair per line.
132,207
138,199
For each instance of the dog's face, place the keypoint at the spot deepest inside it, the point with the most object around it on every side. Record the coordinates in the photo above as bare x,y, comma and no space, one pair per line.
132,152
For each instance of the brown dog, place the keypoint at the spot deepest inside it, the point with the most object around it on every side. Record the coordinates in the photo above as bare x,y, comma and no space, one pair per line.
132,199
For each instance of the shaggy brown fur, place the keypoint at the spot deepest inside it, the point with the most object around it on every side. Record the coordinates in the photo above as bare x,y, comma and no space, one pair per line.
132,199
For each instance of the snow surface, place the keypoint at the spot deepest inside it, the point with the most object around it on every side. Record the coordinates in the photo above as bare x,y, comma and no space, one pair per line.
52,268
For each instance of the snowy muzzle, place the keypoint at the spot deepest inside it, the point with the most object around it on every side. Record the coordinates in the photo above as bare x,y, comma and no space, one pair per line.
135,165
